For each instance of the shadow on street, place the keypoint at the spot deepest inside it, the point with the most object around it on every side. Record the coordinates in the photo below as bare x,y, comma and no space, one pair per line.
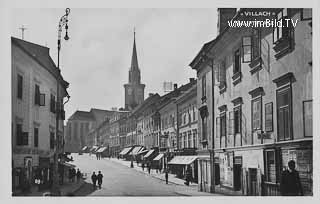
85,190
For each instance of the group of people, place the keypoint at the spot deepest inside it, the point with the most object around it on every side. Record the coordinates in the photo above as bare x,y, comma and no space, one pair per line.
98,155
96,177
74,174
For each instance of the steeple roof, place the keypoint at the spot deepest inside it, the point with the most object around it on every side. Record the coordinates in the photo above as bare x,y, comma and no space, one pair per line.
134,59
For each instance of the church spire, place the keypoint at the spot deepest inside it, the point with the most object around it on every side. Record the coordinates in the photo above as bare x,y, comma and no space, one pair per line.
134,59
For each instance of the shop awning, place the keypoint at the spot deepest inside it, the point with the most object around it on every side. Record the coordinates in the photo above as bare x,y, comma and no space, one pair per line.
68,165
102,149
135,150
184,160
158,157
143,151
94,148
84,148
125,151
149,153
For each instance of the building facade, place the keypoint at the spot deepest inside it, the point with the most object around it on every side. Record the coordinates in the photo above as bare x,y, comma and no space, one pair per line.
262,103
35,109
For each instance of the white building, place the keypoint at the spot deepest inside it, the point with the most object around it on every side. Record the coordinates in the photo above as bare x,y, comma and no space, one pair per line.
34,108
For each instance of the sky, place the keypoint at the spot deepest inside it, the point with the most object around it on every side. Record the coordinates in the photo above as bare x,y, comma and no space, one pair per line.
96,59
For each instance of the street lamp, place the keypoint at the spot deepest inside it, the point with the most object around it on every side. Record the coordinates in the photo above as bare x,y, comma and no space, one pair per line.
63,22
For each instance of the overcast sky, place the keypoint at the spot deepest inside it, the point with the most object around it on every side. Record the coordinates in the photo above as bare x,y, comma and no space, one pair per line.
96,59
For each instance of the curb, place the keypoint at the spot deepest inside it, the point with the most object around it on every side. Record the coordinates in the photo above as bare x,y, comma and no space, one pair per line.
73,190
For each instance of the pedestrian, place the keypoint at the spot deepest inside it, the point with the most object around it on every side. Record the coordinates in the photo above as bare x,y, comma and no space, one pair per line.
99,177
167,176
70,175
78,175
149,168
97,155
160,168
290,184
94,180
142,166
74,173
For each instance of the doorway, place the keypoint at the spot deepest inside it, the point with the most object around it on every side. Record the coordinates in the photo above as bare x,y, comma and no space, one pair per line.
217,173
253,191
237,173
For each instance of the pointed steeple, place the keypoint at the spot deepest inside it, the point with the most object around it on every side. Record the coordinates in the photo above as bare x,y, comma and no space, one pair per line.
134,59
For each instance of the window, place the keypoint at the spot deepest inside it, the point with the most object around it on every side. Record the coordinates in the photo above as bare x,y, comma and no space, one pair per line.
306,14
195,145
251,46
272,165
19,134
36,137
180,141
39,99
222,73
20,87
307,118
204,129
194,113
189,138
255,50
185,145
282,33
284,113
246,49
51,140
204,89
52,104
268,117
256,114
237,120
37,95
237,62
223,125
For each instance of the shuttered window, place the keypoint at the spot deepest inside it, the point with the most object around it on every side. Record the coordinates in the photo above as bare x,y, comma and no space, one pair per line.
284,113
20,87
256,114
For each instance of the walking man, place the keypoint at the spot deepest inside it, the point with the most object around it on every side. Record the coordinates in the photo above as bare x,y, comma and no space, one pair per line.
167,176
290,184
99,177
78,175
94,180
142,166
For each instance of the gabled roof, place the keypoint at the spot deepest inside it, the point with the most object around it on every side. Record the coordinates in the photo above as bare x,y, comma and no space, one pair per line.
146,103
134,59
82,115
41,55
100,114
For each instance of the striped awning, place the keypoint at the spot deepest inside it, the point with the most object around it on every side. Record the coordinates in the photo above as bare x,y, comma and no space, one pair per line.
158,157
102,149
149,153
84,148
125,151
135,150
185,160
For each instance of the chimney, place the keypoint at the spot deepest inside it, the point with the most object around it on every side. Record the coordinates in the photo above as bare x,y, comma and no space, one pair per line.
191,80
150,94
224,15
175,86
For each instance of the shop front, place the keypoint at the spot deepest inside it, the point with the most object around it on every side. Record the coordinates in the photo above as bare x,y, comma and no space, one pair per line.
185,167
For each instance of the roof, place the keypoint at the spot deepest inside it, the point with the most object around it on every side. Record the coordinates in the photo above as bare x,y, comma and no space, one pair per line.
190,92
149,101
166,99
41,55
82,115
100,115
134,59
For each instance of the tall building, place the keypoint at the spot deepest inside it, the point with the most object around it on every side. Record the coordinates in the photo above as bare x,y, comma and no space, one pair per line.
134,90
35,106
255,95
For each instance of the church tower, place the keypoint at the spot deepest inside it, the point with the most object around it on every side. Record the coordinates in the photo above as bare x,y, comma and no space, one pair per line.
134,90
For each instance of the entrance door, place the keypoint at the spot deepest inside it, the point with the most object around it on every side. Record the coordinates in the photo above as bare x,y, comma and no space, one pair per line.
237,169
217,174
253,182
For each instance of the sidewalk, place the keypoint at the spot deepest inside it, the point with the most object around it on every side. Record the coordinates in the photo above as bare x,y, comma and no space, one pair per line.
68,188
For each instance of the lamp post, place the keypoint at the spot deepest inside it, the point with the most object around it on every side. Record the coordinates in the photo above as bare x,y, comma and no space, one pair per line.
55,185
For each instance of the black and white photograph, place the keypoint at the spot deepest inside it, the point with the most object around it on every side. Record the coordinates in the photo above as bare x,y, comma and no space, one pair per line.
149,102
